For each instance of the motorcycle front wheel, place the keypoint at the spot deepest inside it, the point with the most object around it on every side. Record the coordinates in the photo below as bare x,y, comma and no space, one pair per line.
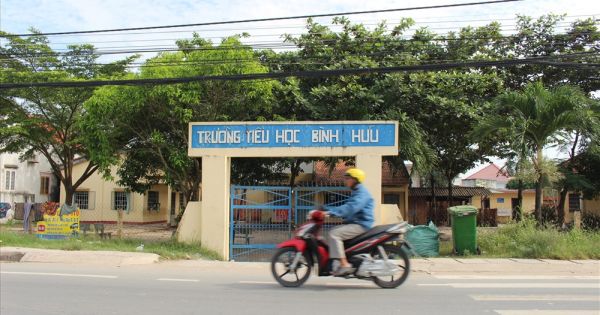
280,268
400,258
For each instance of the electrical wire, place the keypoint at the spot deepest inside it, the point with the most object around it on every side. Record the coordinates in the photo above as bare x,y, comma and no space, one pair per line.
286,45
303,74
267,19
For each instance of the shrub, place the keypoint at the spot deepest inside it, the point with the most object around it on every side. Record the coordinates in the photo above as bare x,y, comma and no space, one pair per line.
526,240
590,221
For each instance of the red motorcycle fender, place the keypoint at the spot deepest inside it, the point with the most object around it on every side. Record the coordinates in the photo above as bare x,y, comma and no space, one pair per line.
300,245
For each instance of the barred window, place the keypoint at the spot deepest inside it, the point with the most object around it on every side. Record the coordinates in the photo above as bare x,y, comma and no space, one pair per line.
574,204
120,201
82,199
181,202
153,202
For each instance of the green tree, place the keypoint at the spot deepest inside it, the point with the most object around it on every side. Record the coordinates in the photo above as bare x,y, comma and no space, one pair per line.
535,116
49,121
577,140
149,124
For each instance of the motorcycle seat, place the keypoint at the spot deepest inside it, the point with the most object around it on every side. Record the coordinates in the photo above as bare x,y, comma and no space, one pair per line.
380,229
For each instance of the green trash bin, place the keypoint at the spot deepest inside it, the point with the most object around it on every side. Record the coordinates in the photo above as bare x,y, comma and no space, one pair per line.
464,229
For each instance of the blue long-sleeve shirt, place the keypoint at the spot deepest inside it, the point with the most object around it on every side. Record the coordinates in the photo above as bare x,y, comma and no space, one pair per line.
358,209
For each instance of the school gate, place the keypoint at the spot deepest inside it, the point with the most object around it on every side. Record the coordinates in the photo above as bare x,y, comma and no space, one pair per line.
212,221
262,216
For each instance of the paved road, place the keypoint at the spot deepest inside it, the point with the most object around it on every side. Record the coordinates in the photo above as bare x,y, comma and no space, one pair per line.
180,288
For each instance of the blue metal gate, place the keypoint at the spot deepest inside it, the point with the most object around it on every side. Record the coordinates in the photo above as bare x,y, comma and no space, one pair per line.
308,198
263,216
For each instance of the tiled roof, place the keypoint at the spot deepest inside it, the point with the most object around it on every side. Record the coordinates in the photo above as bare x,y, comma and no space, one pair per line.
491,172
457,191
388,176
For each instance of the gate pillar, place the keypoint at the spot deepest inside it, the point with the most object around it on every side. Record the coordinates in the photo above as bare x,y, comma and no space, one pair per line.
215,204
371,165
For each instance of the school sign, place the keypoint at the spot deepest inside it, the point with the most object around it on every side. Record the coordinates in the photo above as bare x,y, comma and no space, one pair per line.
293,138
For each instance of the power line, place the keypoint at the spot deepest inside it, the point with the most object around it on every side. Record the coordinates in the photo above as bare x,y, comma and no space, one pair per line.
303,74
406,37
280,45
298,26
267,19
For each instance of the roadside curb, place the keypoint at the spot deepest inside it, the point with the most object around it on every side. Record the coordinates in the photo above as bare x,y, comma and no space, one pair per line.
114,258
11,256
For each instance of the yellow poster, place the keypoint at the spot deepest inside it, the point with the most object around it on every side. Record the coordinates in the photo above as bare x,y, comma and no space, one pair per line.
59,222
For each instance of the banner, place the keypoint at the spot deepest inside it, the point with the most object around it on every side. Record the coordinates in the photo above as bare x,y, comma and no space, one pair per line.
59,222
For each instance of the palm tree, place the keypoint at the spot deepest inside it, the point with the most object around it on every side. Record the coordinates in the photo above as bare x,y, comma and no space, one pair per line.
532,118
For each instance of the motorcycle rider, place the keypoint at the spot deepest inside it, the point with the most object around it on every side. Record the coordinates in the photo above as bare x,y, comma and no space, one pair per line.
357,214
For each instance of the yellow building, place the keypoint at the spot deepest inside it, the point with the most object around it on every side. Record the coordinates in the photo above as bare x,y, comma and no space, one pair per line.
99,200
591,206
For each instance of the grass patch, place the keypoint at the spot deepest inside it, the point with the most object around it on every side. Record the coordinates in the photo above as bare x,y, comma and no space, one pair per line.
170,249
526,240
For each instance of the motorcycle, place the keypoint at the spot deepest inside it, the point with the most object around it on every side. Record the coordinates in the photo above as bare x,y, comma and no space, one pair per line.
375,255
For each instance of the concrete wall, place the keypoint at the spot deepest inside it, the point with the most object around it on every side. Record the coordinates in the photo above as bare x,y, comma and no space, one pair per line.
189,229
27,178
390,214
403,198
591,206
102,204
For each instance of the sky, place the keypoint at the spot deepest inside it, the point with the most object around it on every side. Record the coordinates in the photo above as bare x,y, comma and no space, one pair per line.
17,16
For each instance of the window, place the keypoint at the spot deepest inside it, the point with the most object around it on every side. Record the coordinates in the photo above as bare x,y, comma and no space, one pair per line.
153,203
499,200
10,180
574,204
84,200
391,199
44,185
120,200
181,202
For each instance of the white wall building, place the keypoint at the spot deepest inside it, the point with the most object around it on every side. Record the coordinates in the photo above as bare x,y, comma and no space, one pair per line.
25,181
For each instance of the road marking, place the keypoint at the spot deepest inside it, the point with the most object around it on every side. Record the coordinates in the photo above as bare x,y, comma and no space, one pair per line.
593,298
546,312
362,285
179,280
516,285
329,284
514,277
258,282
57,274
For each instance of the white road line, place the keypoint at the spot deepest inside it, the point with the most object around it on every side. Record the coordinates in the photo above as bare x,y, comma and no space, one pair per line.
57,274
514,277
512,285
329,284
546,312
593,298
258,282
361,285
179,280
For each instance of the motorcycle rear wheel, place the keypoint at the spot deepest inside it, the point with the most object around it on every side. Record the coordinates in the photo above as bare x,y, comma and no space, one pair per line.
280,263
401,258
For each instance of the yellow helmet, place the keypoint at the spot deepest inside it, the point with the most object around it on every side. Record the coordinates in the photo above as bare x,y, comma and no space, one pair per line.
357,174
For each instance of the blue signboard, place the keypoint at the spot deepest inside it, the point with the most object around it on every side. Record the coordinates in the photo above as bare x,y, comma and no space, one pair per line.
292,135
